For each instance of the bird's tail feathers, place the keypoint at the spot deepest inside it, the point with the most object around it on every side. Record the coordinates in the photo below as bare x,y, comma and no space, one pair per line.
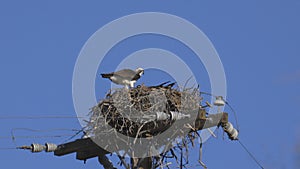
107,75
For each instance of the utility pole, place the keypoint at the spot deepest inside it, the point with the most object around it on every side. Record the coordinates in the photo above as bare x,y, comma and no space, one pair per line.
86,149
157,108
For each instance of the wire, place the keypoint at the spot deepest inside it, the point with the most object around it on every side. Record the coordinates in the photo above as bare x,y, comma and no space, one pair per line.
39,136
209,94
39,117
235,116
237,125
8,148
231,108
46,130
77,133
250,154
13,137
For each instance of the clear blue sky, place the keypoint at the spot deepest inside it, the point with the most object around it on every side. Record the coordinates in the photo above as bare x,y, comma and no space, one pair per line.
257,41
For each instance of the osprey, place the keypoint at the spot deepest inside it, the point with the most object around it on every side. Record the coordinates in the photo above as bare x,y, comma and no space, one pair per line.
126,77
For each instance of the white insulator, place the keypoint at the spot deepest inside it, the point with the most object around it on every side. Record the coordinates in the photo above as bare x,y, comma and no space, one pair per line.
234,135
37,148
162,116
229,127
219,101
231,131
174,115
50,147
177,115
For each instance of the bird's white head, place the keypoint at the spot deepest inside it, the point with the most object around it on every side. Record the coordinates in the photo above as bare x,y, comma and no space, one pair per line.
140,71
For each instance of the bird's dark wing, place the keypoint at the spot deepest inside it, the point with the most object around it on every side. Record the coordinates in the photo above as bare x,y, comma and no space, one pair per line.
136,77
107,75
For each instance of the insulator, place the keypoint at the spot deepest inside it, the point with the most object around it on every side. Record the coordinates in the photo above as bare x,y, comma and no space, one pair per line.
173,116
162,116
50,147
177,115
37,148
234,135
219,101
228,127
231,131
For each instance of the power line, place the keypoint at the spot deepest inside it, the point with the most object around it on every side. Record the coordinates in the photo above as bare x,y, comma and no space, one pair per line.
30,137
237,125
235,115
250,154
38,136
77,133
13,137
231,108
40,131
8,148
40,117
45,130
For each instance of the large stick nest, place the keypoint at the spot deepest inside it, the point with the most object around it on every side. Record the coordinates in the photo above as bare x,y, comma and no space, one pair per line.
132,112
